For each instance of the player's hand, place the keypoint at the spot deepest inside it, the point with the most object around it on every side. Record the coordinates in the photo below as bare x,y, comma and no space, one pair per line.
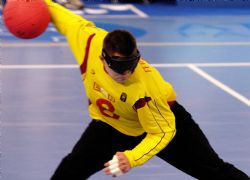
118,165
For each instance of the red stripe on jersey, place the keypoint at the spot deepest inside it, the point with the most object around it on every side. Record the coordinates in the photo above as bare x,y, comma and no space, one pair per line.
83,66
141,103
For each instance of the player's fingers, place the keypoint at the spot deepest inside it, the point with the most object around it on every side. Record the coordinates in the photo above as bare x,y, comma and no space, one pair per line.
116,171
113,161
124,164
113,166
124,168
106,164
107,171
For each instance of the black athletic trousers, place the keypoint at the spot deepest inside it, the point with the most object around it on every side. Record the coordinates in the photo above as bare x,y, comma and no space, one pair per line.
189,151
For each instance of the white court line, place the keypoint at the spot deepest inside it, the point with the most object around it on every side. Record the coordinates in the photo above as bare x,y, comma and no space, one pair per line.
32,44
238,64
194,43
125,7
161,65
44,124
141,44
113,16
219,84
40,66
138,11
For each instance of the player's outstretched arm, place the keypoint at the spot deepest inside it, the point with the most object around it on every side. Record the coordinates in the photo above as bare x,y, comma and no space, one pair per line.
79,32
65,20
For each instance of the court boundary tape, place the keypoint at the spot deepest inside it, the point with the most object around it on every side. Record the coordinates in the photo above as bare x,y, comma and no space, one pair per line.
219,84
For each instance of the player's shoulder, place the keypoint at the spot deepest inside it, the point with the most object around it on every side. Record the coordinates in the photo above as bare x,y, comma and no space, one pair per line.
151,79
148,72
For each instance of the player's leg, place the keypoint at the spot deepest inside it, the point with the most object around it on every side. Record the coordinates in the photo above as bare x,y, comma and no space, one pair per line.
191,152
97,145
87,155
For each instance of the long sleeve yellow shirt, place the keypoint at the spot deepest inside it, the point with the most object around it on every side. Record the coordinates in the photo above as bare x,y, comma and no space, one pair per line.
137,106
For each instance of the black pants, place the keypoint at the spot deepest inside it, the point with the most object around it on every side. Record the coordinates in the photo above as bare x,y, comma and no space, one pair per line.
189,151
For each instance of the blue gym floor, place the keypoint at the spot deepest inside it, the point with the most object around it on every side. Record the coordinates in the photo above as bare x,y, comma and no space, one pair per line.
203,52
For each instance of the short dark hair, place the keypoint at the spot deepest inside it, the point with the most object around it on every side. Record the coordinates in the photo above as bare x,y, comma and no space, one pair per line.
120,41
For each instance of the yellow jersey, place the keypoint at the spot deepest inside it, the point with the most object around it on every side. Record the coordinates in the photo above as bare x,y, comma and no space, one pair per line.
137,106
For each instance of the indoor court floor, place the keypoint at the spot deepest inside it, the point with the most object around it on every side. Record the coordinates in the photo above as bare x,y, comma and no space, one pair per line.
203,52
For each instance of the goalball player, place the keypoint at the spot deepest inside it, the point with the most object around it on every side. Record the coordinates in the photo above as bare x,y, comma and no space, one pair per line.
134,111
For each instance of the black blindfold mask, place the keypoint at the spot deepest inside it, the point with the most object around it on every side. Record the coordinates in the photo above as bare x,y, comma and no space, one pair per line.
121,64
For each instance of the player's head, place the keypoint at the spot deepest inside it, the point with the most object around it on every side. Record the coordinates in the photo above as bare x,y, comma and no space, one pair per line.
120,51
